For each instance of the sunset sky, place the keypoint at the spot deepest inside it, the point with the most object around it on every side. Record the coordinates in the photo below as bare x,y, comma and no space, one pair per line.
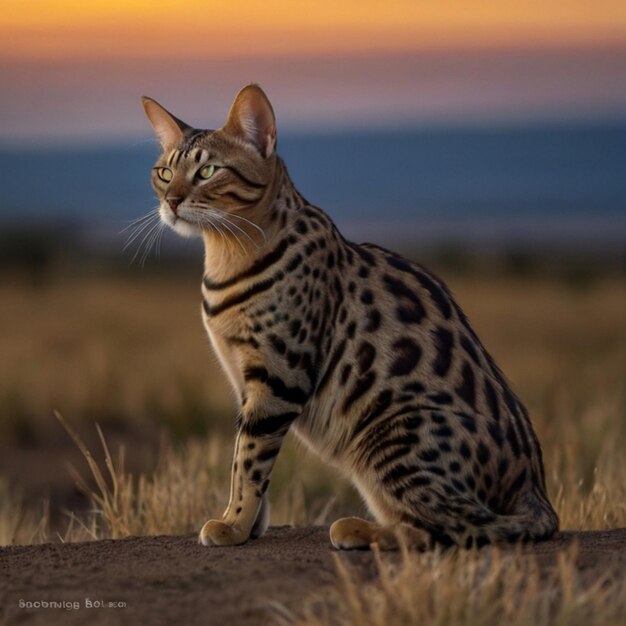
74,69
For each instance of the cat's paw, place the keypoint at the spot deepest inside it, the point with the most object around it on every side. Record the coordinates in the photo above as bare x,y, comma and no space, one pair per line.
352,533
216,533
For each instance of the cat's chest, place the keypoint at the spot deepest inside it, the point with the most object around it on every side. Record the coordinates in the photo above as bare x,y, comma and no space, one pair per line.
227,356
244,336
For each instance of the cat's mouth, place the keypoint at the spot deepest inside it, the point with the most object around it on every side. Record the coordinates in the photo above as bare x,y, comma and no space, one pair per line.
179,222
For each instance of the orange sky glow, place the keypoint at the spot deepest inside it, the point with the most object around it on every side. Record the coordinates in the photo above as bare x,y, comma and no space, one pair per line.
76,68
56,29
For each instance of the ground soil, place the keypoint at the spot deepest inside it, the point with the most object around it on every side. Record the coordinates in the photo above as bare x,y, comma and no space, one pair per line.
173,580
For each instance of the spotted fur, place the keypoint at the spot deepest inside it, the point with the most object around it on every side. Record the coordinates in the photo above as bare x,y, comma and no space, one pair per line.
363,354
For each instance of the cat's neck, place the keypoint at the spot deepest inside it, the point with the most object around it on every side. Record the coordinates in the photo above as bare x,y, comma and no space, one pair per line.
251,233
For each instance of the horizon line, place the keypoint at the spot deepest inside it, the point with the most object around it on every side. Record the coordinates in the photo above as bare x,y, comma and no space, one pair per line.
290,130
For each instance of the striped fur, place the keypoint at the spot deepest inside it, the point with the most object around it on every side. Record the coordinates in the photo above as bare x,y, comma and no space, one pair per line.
364,355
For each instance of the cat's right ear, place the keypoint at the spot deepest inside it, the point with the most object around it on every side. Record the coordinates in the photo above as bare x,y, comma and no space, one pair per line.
251,118
169,129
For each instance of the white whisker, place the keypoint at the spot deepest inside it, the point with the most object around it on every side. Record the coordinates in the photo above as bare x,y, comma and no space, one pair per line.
159,240
140,228
151,242
225,219
138,220
137,233
227,216
137,228
206,216
245,219
144,239
223,236
234,234
207,219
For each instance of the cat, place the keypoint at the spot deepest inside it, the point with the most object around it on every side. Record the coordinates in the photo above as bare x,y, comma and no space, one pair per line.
363,354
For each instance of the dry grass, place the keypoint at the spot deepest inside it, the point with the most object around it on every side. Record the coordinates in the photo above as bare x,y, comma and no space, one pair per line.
20,523
489,588
189,485
110,350
119,351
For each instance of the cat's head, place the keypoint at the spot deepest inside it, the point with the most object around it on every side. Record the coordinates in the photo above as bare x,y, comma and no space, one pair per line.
204,177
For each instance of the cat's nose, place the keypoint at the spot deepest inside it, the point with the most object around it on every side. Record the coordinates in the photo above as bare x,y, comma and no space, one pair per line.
174,202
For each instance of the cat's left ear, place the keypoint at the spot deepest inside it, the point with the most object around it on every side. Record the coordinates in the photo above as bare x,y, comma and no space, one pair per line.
169,129
251,118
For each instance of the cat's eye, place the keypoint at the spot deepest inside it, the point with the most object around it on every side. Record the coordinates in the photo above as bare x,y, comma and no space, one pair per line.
206,171
165,174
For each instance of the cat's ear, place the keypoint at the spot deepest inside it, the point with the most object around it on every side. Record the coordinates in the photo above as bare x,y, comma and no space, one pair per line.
251,118
169,129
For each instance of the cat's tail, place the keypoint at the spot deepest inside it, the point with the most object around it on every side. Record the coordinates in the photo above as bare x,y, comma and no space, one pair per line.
471,523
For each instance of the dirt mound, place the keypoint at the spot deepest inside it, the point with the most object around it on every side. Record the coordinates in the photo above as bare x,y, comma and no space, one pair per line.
168,580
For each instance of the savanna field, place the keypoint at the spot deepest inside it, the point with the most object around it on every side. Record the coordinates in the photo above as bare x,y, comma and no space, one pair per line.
124,359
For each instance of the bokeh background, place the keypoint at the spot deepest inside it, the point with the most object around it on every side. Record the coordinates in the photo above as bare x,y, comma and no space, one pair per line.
486,139
478,121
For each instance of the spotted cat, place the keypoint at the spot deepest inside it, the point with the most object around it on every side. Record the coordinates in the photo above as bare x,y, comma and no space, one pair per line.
364,355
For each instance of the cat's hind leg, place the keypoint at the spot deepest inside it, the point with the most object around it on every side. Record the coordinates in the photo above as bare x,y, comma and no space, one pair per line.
354,533
463,520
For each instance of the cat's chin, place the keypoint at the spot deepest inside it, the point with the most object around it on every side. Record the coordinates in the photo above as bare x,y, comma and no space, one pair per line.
180,226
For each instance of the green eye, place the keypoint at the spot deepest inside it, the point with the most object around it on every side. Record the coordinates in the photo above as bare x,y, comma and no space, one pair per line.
165,174
206,171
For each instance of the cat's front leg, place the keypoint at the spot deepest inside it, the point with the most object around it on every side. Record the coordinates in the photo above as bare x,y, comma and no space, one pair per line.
262,519
258,442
